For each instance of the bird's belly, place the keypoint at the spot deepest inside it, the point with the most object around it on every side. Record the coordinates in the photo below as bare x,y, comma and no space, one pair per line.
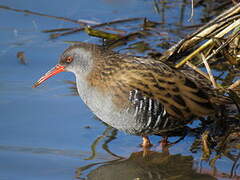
102,106
119,119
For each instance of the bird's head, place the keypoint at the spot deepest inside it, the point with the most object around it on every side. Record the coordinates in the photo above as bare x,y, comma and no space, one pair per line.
76,59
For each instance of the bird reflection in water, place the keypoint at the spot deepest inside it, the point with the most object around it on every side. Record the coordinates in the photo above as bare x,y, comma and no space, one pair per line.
146,164
141,166
149,164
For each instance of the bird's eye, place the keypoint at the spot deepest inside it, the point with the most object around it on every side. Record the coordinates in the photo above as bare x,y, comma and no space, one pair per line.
69,59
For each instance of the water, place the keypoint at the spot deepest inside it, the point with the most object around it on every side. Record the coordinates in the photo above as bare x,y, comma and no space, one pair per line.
46,133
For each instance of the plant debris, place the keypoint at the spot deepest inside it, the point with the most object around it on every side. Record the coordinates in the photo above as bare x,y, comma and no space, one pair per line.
22,58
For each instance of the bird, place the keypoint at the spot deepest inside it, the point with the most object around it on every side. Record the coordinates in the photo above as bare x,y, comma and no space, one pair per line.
138,95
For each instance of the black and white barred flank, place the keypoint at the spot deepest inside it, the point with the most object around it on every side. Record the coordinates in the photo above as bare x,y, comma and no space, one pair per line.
150,112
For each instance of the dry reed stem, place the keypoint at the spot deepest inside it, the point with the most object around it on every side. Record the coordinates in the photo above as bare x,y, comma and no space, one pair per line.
192,11
222,46
195,68
209,28
205,147
209,42
234,85
209,71
56,35
46,15
204,31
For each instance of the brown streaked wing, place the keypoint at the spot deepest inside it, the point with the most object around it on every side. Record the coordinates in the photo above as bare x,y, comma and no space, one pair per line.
181,97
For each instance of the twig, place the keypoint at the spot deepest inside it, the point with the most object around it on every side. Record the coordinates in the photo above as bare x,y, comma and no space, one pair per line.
195,68
93,147
124,39
101,34
41,14
56,35
234,1
234,85
209,42
95,26
22,58
209,71
110,138
192,11
97,140
57,30
205,147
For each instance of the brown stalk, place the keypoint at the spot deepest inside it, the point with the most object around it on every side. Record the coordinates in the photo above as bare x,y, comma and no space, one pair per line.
222,46
56,35
209,42
208,30
234,85
45,15
195,68
210,27
209,71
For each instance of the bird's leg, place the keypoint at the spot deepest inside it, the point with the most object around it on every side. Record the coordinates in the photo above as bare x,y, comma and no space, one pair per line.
164,141
146,142
164,144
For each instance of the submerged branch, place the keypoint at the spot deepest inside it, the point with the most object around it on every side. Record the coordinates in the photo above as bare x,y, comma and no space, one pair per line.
45,15
101,34
56,35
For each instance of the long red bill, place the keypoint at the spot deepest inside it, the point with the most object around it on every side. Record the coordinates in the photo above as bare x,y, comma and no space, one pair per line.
57,69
